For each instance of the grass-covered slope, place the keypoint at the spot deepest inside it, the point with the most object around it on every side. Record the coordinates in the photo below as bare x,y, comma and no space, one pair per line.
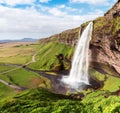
108,82
105,26
46,58
42,101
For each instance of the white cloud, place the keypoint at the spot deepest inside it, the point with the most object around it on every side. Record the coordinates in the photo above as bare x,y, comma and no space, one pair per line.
98,2
19,23
61,6
44,1
15,2
56,12
97,12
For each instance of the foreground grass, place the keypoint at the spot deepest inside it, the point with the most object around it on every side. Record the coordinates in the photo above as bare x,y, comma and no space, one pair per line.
42,101
5,91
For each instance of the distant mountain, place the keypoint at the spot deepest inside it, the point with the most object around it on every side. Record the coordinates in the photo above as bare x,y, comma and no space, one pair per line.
28,40
21,40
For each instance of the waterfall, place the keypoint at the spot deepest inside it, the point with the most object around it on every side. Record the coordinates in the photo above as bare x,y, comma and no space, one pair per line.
80,64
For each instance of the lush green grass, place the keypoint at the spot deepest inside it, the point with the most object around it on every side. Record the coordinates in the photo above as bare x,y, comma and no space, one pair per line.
5,68
46,56
111,83
42,101
24,78
97,103
5,91
97,74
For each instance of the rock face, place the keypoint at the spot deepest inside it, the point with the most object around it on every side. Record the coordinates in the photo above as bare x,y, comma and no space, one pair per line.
68,37
105,43
104,51
114,11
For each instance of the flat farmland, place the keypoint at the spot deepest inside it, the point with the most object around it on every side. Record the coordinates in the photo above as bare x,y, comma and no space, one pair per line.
17,52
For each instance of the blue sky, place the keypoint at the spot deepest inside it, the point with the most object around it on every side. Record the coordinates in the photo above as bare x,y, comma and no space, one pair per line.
42,18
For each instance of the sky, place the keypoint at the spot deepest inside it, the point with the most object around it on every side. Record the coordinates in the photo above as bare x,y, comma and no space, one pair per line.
43,18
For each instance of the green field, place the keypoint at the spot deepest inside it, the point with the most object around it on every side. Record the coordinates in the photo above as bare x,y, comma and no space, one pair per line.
42,101
23,78
5,91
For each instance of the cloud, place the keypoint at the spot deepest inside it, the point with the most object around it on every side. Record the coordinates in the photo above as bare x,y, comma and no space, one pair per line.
44,1
20,23
98,2
61,6
56,12
15,2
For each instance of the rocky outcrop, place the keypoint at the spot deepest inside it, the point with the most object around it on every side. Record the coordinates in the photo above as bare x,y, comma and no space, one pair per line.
68,37
104,51
114,11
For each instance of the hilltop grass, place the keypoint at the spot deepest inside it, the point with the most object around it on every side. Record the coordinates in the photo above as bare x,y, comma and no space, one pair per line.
102,25
46,56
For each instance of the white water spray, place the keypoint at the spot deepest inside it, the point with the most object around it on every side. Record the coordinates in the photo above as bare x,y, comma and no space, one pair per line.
79,71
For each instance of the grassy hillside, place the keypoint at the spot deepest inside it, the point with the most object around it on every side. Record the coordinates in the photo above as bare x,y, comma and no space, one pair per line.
46,56
104,26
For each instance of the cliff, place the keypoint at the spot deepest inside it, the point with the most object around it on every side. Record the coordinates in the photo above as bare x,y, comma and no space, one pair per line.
105,43
68,37
114,11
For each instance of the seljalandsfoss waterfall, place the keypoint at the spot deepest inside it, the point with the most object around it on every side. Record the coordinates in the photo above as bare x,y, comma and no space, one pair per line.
78,76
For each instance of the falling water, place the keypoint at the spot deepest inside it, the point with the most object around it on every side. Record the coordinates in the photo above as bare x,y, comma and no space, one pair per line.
79,71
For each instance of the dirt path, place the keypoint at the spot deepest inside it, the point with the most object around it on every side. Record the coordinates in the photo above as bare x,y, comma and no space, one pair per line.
11,70
20,66
57,85
11,85
33,58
